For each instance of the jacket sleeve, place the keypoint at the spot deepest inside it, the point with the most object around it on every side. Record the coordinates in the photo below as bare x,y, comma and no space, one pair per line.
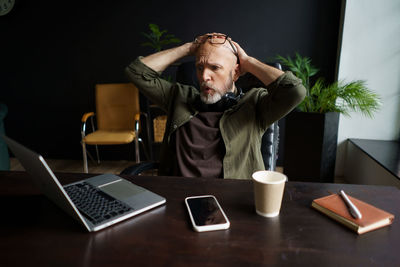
150,83
282,96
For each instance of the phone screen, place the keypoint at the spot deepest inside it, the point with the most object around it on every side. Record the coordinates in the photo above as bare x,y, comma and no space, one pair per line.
205,211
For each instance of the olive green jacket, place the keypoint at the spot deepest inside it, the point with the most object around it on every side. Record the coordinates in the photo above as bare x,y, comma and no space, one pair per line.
242,126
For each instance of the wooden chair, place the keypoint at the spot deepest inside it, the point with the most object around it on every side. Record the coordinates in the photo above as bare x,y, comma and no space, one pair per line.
118,119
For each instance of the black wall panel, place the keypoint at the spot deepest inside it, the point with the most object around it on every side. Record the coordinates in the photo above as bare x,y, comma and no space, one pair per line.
54,52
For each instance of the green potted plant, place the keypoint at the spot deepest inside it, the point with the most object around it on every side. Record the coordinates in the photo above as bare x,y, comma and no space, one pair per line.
311,130
158,38
338,97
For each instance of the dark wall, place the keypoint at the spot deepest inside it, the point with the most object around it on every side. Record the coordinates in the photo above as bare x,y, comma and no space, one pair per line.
54,52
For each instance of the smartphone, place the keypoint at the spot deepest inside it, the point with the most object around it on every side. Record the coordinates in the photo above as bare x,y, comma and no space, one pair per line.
206,214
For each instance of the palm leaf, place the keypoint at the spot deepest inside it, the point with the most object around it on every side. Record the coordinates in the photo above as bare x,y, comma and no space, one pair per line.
155,29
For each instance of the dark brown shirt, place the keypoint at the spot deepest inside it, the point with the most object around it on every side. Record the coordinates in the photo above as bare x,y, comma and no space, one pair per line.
199,147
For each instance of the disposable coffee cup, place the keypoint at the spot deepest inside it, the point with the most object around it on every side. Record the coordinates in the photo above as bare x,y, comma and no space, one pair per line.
268,192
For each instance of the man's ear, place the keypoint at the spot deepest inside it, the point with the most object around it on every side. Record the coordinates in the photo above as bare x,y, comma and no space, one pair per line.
236,74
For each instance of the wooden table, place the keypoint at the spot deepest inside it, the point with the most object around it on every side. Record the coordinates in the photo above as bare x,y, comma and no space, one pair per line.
35,232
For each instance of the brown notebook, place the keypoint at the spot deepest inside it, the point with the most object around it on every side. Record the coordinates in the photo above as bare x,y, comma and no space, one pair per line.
335,207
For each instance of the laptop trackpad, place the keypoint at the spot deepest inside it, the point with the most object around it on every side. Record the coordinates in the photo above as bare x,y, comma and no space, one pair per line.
122,189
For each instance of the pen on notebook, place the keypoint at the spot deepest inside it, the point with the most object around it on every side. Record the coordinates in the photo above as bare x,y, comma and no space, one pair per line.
352,208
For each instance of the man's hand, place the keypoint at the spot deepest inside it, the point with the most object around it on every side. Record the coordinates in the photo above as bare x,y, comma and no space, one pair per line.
193,46
263,72
243,58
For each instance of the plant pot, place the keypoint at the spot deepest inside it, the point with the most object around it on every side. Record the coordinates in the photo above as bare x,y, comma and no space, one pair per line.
310,146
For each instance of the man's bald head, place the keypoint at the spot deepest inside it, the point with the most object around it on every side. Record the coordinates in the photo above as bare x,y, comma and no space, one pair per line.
224,51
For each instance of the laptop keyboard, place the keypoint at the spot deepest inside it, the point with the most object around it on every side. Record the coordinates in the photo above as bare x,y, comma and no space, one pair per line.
94,204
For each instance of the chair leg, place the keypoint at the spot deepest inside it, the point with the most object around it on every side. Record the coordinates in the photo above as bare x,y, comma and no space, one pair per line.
97,153
146,153
85,163
137,154
90,156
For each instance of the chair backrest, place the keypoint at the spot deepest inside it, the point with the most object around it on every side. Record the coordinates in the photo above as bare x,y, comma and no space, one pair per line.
116,106
270,146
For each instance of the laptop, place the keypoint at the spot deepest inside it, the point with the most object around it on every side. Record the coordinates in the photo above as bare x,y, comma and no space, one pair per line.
96,202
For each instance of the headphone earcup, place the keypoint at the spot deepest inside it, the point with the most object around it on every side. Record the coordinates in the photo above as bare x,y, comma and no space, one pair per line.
231,98
228,100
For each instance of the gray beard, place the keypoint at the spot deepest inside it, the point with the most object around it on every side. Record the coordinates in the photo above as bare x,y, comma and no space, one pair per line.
212,99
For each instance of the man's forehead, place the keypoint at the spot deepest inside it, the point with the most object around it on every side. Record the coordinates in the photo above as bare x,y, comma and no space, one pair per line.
208,47
220,51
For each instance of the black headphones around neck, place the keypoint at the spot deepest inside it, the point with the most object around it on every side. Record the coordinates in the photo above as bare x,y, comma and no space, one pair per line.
227,101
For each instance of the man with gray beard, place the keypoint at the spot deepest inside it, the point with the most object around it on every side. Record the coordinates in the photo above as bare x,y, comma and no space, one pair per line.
215,131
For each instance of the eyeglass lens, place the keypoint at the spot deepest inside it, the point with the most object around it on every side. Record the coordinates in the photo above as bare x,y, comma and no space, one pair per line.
215,39
212,38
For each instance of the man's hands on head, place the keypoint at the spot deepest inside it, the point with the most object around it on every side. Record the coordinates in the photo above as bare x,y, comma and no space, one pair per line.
263,72
161,60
